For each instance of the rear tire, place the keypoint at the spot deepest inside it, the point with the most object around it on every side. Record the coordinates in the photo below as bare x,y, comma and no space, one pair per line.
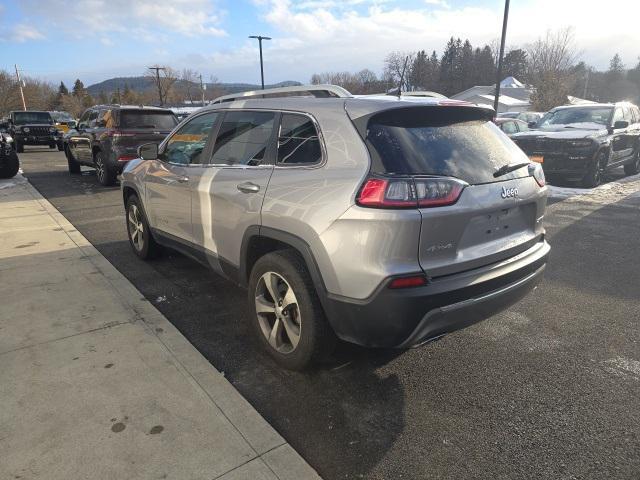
138,231
10,165
594,176
296,335
106,176
633,167
74,166
60,147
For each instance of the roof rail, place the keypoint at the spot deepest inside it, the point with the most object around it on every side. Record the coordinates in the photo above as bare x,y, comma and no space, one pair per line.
317,91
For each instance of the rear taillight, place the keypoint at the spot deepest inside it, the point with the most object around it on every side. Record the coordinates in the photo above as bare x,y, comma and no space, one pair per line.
536,171
126,158
408,282
119,133
410,192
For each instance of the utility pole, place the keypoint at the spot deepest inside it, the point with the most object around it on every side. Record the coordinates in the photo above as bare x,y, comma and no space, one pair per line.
24,105
586,85
504,37
202,89
157,69
260,39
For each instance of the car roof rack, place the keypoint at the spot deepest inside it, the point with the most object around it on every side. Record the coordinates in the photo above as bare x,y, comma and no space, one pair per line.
317,91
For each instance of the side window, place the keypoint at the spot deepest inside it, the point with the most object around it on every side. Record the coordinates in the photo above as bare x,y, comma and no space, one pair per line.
627,114
509,128
187,144
618,115
298,142
84,119
243,138
105,119
93,116
523,126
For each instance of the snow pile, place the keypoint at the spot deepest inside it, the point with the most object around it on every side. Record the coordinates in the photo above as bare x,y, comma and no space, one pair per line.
13,182
605,193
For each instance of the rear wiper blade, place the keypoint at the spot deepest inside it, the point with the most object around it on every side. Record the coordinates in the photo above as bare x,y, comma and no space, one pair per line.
509,168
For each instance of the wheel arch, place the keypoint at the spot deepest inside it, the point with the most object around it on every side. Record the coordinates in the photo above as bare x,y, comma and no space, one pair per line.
259,241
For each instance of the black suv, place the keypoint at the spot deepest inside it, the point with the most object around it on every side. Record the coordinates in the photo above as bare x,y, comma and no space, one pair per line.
108,136
581,142
32,128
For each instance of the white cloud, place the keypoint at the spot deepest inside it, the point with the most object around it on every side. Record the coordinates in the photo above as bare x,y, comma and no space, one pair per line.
137,18
21,33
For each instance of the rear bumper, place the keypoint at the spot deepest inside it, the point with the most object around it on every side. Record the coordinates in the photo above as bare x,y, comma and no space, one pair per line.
409,317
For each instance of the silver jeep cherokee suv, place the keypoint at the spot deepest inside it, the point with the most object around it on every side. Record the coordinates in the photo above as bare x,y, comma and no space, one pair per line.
384,222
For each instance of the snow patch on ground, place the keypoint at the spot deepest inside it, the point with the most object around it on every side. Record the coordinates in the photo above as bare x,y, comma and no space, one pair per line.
605,193
13,182
624,367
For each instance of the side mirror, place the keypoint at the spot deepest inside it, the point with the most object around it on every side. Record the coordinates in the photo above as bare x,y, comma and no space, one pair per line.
532,124
148,151
620,124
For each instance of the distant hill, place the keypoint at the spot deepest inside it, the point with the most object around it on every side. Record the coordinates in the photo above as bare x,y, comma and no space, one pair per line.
142,84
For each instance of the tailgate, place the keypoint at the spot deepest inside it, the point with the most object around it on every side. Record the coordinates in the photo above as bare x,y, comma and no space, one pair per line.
489,223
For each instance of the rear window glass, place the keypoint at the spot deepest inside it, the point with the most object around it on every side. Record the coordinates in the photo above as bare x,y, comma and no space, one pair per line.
448,143
147,119
298,143
32,117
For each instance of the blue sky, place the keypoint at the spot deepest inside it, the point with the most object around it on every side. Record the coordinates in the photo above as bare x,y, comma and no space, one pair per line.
98,39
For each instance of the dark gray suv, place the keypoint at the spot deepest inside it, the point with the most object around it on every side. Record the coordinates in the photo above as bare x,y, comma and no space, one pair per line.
108,136
383,222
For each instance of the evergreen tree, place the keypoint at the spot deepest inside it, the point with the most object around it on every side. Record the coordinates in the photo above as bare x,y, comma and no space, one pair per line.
515,64
449,66
78,89
484,66
466,67
616,68
62,89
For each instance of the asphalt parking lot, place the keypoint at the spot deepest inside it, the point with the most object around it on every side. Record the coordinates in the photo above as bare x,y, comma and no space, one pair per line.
548,389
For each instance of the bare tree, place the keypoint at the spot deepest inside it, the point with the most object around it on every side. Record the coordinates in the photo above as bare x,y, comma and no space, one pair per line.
549,70
164,77
397,68
190,83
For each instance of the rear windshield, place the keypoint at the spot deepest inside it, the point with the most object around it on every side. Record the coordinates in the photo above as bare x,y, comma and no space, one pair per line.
147,119
32,117
440,141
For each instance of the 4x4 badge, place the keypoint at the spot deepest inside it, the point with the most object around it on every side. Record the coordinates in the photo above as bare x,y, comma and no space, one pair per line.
509,192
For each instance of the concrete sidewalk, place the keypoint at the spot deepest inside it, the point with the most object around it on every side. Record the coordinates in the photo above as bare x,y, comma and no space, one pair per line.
96,384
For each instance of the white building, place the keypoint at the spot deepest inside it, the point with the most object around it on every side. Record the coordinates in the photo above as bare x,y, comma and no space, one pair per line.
514,95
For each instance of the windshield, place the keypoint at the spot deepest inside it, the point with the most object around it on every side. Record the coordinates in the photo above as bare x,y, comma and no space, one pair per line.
405,141
147,119
569,116
22,118
61,116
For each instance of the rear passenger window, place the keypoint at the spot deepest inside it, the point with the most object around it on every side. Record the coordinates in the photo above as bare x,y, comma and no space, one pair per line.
509,128
243,138
298,142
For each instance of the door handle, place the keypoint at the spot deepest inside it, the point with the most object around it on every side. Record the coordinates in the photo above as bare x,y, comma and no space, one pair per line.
248,187
183,179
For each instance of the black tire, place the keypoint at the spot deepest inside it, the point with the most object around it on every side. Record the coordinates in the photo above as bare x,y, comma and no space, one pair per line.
19,147
316,339
106,175
145,245
9,165
60,147
52,146
594,175
633,167
74,166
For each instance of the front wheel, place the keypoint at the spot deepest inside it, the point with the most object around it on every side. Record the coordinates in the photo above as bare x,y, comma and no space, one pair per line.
138,231
10,165
594,174
74,166
106,176
286,314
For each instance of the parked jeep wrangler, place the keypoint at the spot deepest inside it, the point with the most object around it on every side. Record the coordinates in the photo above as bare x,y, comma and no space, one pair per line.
32,128
583,142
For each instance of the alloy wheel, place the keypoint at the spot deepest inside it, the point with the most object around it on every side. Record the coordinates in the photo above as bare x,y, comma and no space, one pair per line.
278,312
136,227
100,169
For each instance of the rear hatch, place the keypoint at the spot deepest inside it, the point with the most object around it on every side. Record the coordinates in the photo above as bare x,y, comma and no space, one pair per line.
470,218
138,126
